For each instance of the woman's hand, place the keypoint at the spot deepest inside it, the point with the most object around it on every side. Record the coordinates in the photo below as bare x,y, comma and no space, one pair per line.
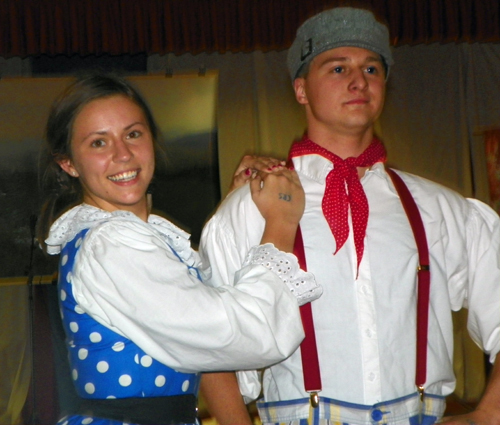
252,164
280,198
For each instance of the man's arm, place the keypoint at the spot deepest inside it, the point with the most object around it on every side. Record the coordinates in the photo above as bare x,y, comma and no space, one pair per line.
488,409
223,400
483,295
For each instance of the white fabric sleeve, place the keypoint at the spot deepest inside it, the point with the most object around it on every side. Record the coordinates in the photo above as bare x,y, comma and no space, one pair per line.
300,283
226,240
128,279
220,246
483,292
250,384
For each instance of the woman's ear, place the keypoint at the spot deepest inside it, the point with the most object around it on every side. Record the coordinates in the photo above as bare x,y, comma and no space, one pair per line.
67,166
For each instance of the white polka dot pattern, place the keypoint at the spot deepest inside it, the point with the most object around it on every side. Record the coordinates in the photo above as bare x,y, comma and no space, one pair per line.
118,346
102,366
125,380
90,388
95,337
146,361
160,381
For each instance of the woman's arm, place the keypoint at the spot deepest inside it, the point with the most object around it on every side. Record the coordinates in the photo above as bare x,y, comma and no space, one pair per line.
280,199
223,399
129,280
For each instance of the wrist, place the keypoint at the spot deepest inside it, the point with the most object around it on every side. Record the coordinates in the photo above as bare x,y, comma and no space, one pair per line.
281,234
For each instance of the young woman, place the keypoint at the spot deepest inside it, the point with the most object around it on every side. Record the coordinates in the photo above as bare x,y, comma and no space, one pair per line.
140,324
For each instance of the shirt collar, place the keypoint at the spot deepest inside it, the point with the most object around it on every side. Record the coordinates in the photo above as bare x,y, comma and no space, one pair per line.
317,168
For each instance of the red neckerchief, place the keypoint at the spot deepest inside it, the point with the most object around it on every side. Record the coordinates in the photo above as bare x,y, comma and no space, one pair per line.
344,190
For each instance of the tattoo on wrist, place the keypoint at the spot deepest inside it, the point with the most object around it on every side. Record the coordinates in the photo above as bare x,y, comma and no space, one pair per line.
285,197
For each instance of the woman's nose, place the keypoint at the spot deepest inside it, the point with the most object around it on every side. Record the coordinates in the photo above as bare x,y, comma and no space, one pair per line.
122,152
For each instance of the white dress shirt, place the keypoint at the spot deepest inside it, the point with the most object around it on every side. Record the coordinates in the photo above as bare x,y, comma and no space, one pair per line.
366,327
127,277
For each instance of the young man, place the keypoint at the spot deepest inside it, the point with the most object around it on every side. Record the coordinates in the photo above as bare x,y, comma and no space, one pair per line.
359,244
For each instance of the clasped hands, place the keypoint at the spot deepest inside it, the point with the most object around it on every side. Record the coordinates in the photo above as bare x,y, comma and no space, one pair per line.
276,190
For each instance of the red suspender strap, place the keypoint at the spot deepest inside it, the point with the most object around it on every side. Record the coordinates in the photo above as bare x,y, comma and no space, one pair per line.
424,277
308,349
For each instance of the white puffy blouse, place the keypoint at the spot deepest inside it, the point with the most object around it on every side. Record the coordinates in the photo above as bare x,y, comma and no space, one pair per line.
141,280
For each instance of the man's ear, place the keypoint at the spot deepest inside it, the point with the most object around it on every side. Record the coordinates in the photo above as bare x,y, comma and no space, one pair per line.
300,90
68,167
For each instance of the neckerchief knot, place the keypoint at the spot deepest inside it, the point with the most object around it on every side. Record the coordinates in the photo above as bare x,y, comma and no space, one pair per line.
344,190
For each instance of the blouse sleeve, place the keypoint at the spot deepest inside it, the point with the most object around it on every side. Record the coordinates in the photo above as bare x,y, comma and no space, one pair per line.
300,283
129,280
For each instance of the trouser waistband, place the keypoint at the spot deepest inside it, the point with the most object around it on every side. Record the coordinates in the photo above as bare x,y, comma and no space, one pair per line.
405,410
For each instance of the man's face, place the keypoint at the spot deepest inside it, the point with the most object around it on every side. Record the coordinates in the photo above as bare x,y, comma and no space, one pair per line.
344,90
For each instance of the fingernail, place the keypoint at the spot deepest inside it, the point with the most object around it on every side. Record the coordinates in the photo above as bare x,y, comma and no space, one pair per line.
248,171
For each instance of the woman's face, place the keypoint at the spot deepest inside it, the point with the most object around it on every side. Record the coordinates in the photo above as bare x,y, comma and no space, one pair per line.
112,154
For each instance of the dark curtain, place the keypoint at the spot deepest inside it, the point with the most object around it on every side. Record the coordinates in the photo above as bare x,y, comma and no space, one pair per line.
84,27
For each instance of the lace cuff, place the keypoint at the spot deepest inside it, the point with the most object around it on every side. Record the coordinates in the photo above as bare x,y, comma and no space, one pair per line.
302,284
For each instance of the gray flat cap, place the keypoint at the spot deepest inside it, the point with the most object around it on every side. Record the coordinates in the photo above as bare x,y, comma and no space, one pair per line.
338,27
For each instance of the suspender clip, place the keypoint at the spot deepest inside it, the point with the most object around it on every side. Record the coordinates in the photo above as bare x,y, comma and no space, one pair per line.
423,267
314,399
420,389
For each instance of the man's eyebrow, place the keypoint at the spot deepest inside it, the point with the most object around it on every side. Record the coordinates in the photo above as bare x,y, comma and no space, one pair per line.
333,59
368,59
374,59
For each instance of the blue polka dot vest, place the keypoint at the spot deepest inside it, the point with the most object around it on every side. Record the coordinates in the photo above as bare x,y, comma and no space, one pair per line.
103,363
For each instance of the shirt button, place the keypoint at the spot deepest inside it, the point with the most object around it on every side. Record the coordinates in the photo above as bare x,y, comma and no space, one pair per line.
371,376
377,415
364,289
369,333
